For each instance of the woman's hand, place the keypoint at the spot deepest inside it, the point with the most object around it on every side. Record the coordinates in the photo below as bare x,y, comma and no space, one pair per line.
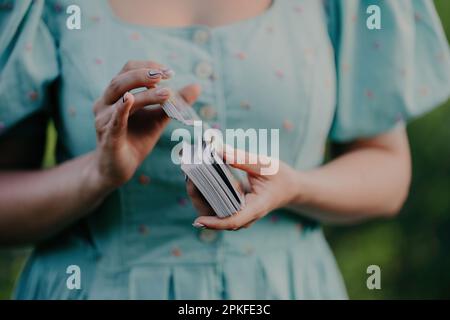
126,132
267,192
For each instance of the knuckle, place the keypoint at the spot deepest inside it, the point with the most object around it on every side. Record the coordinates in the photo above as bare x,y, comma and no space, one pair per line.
97,106
234,225
114,85
98,125
128,65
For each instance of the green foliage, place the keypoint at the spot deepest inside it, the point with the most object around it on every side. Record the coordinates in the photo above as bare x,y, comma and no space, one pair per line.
412,250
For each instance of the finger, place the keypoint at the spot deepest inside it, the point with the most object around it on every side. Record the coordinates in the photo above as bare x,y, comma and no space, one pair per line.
146,64
119,120
190,93
131,80
140,64
252,211
150,97
198,201
234,222
250,162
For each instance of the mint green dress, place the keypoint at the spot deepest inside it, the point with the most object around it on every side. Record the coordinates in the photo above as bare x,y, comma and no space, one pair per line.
309,68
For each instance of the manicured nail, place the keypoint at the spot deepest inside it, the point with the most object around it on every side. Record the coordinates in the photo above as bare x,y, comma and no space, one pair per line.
162,92
198,225
125,97
167,73
154,73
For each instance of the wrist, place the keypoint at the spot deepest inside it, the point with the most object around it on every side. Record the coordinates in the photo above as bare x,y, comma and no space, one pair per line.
301,188
95,181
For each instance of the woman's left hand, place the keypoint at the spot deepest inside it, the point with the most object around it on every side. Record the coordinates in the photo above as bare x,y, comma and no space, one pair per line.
267,192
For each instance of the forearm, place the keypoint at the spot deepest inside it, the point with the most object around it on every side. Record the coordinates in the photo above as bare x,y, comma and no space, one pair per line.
36,204
367,182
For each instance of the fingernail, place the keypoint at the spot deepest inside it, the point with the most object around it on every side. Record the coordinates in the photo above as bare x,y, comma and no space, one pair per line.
162,92
125,97
198,225
154,73
167,73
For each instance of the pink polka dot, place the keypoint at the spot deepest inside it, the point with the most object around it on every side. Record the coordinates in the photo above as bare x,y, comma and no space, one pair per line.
274,218
417,17
279,74
58,7
176,252
424,91
173,55
143,229
33,95
241,55
98,61
376,45
72,111
298,9
345,67
182,201
249,250
95,19
216,126
135,36
144,179
2,126
399,117
245,105
269,29
288,125
440,57
28,47
369,94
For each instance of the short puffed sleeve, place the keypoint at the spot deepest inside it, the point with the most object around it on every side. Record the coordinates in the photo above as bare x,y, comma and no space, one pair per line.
28,60
388,75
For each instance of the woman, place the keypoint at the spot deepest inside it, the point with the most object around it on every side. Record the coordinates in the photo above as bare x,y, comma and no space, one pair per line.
117,207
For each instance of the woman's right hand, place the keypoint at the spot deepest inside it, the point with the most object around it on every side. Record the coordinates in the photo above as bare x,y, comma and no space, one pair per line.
126,132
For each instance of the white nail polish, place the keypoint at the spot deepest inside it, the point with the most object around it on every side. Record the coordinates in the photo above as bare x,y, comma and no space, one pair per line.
198,225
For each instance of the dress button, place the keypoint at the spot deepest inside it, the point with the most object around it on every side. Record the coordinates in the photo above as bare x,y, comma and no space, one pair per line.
201,36
208,235
204,70
208,112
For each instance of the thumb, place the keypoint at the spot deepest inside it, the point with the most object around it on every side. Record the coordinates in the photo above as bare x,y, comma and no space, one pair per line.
250,162
120,117
190,93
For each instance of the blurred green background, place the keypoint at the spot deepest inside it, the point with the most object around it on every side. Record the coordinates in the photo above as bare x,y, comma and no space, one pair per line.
412,250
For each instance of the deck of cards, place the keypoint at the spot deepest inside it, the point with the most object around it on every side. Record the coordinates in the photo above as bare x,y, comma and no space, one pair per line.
176,108
204,167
